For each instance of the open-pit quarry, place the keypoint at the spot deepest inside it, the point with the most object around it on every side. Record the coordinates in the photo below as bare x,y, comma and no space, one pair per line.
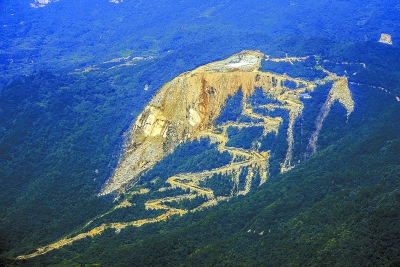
185,109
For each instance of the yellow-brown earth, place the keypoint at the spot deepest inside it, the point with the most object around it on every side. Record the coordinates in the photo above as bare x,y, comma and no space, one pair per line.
185,109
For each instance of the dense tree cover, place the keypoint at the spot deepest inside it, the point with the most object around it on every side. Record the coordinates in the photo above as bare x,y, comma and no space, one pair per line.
61,136
338,208
70,34
193,156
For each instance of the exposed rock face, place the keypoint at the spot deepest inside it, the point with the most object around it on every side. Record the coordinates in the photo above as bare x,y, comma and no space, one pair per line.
187,107
386,39
189,104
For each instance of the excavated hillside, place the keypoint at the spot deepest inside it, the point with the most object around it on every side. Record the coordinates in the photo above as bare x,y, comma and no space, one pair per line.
186,108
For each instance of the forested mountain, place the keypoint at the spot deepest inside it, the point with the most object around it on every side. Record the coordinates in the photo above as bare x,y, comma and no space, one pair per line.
71,34
210,134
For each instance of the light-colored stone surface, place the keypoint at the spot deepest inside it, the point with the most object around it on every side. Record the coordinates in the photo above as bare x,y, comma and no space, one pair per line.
189,104
386,39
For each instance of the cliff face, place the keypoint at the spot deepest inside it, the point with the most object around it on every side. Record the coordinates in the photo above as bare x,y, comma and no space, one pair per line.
189,104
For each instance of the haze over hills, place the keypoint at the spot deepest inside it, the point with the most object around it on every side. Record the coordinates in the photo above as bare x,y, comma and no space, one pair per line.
207,134
70,34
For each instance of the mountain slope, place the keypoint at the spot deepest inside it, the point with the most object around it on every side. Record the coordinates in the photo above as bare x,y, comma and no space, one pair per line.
187,108
340,207
350,144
